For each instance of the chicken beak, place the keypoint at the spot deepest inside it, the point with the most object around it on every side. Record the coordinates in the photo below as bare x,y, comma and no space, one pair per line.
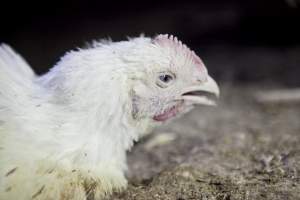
205,93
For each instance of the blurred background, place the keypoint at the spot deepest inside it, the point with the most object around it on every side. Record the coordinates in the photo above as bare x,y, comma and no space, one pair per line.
249,41
242,150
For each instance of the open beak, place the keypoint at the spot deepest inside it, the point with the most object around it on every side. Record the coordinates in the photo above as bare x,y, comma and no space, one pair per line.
205,93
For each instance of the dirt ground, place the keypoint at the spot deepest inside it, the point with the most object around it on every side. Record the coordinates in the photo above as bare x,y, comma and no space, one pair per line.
240,150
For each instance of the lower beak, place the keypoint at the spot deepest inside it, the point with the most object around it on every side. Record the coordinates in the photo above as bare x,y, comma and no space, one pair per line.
205,93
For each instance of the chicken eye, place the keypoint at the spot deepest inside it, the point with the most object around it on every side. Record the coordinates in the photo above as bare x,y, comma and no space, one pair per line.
165,79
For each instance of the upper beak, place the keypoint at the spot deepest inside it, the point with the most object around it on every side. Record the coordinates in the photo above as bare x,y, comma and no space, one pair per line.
205,93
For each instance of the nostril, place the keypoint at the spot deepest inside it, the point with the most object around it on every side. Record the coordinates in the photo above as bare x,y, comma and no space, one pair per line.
201,79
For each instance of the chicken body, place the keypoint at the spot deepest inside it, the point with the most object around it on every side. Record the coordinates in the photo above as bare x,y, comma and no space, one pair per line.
64,135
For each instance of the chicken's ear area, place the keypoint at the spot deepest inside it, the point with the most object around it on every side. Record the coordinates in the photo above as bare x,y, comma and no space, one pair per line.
134,104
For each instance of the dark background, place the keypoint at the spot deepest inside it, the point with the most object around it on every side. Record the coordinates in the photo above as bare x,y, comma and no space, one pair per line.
249,41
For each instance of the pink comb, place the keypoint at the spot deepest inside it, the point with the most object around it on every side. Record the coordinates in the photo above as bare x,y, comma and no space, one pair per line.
171,41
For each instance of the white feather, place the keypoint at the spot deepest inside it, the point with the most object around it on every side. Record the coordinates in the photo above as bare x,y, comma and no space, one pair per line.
75,128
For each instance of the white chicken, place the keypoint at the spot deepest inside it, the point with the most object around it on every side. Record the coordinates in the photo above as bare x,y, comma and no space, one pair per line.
64,135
